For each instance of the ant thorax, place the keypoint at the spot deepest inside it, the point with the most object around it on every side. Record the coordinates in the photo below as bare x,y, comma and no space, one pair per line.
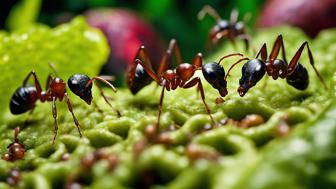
57,87
169,75
277,69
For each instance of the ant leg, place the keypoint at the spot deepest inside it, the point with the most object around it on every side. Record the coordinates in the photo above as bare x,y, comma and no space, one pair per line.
106,99
145,63
276,48
197,61
49,78
164,83
166,59
29,116
247,17
173,46
197,81
149,71
233,65
73,115
54,112
263,53
36,82
52,66
295,60
234,16
219,36
210,11
97,107
247,40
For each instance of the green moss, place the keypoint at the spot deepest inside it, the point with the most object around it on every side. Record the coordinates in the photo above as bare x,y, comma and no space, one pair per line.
251,157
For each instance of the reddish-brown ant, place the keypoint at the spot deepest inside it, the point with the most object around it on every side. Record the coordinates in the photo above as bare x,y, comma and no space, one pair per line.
182,76
294,72
26,96
90,159
225,29
14,177
16,150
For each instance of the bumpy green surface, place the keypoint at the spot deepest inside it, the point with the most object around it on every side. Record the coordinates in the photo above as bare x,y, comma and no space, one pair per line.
251,158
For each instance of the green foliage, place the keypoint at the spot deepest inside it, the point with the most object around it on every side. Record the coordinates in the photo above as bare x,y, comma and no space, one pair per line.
72,48
24,14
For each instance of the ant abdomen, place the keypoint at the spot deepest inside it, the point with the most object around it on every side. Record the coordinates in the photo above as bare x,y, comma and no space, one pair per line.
299,78
141,79
77,84
214,73
252,72
23,99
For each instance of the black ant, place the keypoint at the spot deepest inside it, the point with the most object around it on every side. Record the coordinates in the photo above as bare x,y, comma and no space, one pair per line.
26,96
182,76
294,72
223,28
16,150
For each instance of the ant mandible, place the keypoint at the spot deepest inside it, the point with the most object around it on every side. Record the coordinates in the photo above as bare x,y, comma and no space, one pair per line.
16,150
26,96
225,29
294,72
181,76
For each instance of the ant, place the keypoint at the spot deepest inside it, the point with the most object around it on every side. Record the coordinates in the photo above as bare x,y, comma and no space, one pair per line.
16,150
14,177
225,29
181,76
26,96
295,73
86,164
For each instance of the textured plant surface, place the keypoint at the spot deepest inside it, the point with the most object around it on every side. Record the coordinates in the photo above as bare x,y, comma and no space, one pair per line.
245,157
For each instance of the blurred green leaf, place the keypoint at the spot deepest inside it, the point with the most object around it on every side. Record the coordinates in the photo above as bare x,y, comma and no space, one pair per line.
24,14
73,48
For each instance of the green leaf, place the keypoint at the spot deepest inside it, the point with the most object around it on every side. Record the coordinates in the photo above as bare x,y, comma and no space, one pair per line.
23,14
73,48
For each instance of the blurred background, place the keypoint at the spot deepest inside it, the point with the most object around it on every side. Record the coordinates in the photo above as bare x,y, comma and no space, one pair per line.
153,23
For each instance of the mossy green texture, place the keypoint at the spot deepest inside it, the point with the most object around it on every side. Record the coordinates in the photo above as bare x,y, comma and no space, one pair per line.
253,157
72,48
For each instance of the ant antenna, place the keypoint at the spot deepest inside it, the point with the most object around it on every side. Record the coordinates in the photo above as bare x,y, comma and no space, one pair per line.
234,16
233,65
227,56
208,10
52,66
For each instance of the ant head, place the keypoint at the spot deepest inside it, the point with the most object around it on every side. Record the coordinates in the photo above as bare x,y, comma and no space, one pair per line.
220,26
80,85
239,28
214,73
252,71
